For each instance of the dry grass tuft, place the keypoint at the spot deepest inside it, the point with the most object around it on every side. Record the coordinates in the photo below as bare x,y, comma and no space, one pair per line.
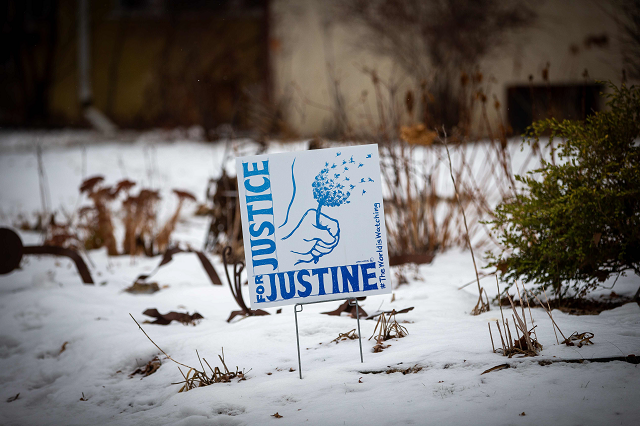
142,288
199,378
349,335
388,328
150,368
526,341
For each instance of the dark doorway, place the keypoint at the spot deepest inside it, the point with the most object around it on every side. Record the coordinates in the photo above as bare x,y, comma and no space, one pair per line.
527,103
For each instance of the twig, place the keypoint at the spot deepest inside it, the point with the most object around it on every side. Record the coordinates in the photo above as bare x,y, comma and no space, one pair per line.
482,276
504,347
549,313
491,335
509,332
154,344
530,315
521,323
464,217
549,306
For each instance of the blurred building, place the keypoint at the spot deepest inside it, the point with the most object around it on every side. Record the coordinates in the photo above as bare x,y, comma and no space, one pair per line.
147,62
278,66
320,67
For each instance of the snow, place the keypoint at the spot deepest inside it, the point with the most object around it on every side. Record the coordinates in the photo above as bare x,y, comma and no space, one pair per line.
44,304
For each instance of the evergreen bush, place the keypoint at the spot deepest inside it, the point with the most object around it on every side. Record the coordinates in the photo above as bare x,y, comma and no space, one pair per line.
577,222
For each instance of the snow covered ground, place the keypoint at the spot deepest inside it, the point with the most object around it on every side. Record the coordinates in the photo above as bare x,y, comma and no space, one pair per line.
44,305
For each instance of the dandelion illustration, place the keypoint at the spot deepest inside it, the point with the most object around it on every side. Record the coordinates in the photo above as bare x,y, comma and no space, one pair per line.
327,192
314,237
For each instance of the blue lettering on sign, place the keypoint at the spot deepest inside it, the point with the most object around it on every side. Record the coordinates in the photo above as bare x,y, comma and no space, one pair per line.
311,282
378,235
259,203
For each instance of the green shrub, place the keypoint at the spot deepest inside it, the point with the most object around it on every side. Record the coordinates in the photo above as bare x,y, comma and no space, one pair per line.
577,222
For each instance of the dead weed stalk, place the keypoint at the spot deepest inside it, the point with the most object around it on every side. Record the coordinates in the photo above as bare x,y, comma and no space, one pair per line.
199,378
481,306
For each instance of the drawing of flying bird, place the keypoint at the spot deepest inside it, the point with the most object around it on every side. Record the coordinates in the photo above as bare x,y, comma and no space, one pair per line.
362,180
344,162
338,154
334,166
370,180
360,165
326,164
364,192
351,160
368,155
337,175
346,168
351,186
346,178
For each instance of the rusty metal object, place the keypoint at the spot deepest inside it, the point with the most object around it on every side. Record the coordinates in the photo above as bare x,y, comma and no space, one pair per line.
351,309
236,286
168,257
12,250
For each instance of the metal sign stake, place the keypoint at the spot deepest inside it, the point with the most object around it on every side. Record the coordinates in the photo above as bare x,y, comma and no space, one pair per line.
352,301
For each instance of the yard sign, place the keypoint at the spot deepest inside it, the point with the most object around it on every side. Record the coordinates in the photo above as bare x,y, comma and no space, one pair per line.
313,225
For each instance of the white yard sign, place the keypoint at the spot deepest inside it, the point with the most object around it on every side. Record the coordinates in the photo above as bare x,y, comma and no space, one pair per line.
313,225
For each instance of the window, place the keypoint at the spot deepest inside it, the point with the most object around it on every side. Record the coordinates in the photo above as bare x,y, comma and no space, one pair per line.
527,103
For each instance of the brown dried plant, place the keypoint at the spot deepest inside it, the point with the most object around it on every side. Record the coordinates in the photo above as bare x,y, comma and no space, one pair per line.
138,213
526,342
199,378
98,217
349,335
387,328
139,221
162,240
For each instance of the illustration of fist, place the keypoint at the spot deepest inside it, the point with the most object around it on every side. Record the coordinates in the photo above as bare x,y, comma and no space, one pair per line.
313,237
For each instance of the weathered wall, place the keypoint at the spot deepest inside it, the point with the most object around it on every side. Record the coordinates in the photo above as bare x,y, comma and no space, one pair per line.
311,52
